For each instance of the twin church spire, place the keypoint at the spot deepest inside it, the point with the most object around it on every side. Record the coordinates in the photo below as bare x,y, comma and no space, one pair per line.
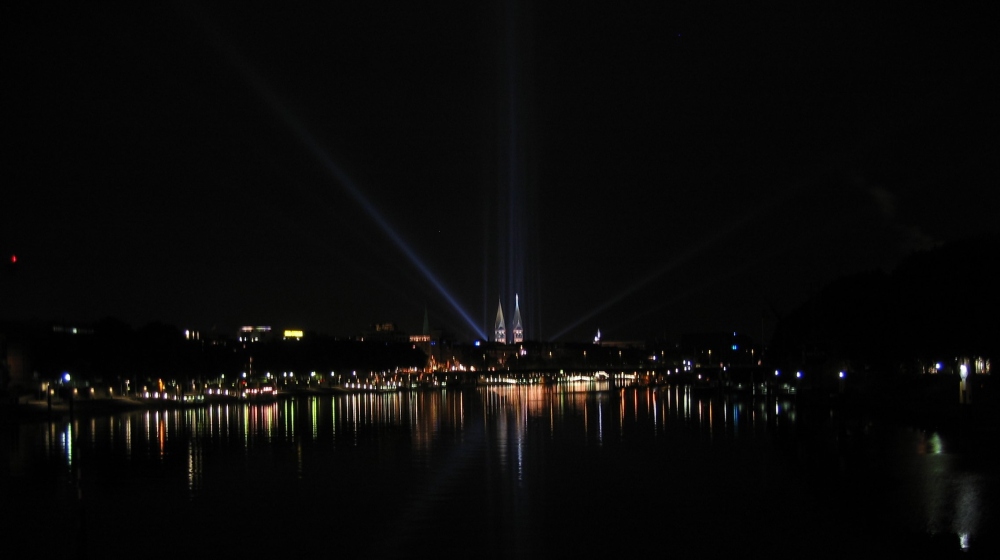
500,328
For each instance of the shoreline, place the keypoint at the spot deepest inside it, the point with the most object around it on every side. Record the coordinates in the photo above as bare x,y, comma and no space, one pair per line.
33,410
918,413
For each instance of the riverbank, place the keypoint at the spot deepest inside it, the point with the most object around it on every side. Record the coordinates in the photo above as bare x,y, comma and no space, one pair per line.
929,404
34,410
916,406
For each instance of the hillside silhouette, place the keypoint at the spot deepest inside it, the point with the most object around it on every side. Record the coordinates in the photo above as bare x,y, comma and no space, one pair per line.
937,305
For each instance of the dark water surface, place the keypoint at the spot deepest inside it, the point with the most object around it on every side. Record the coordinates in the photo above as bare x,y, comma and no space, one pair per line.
499,472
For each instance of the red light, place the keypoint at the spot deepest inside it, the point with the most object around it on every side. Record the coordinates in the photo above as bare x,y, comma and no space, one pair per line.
13,259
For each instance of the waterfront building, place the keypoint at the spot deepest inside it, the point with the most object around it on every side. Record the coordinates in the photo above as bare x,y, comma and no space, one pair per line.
250,333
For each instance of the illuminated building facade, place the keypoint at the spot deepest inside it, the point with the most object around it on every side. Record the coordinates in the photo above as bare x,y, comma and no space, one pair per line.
386,332
253,334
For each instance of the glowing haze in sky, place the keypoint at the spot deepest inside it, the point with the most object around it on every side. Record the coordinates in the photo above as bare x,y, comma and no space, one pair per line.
644,170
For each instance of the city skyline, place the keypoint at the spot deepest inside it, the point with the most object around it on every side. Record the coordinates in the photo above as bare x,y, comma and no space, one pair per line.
643,170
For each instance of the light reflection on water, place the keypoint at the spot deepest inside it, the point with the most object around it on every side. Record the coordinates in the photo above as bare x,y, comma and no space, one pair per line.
524,457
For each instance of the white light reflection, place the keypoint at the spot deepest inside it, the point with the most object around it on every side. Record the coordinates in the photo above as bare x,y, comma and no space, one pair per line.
314,418
194,468
246,425
621,413
711,430
66,444
600,425
934,444
725,416
128,439
967,508
655,405
333,420
289,427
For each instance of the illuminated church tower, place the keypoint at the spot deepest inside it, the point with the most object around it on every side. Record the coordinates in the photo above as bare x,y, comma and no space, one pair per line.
518,329
500,331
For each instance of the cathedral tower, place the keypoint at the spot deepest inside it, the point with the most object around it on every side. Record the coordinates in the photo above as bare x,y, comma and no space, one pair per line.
518,328
499,330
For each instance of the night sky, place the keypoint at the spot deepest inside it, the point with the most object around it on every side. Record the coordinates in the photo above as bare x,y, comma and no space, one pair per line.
641,168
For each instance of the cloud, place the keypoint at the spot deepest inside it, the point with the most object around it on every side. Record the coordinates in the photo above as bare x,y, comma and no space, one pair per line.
911,237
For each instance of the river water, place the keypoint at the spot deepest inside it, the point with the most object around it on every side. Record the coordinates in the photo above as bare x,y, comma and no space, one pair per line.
506,471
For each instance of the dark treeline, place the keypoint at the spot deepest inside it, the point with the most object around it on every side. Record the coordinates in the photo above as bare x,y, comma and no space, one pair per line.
110,350
936,305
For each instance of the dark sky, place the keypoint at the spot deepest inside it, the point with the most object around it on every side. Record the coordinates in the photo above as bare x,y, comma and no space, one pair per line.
642,169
